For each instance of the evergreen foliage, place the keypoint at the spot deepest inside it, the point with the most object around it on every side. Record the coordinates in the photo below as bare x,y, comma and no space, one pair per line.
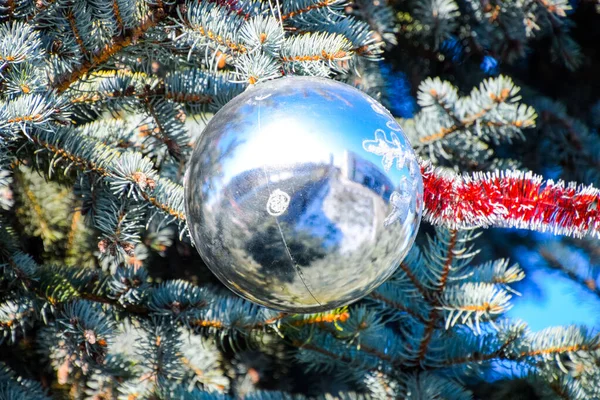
97,99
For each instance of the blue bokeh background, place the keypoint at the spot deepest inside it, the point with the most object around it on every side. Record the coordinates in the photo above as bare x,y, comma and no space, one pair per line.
550,298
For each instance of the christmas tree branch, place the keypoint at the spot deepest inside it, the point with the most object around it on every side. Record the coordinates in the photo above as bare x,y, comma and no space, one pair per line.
322,351
221,325
509,199
60,285
336,356
468,122
551,351
9,9
434,313
220,41
91,155
107,85
168,127
19,387
375,352
118,43
500,353
568,142
320,319
381,18
292,9
360,341
71,18
195,88
41,6
133,308
200,87
316,47
578,141
212,24
362,347
297,321
418,284
363,40
452,127
555,262
378,296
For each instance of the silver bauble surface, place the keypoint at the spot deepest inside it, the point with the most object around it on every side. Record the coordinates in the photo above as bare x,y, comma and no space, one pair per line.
303,194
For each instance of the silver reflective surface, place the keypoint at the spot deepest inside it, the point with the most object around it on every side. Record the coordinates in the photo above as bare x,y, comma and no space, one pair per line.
302,194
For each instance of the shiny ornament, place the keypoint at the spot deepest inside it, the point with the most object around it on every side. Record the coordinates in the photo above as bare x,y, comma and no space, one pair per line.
303,194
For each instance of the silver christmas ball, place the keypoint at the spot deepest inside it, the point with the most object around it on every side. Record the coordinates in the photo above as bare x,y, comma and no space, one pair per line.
303,194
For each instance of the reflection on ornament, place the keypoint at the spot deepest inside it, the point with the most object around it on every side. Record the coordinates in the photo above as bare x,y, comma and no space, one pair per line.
390,150
303,194
278,202
400,204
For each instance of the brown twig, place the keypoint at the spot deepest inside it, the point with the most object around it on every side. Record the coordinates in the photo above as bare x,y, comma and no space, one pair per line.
400,307
321,4
471,119
406,269
434,314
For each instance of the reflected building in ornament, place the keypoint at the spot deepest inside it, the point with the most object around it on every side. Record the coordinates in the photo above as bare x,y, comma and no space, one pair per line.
330,209
360,170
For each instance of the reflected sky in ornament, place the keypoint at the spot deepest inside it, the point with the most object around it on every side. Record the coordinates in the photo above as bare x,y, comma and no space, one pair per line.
281,139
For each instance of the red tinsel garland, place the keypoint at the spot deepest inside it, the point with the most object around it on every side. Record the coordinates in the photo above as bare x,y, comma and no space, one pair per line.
509,199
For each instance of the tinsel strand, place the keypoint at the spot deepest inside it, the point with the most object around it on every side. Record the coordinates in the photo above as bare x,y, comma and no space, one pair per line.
509,199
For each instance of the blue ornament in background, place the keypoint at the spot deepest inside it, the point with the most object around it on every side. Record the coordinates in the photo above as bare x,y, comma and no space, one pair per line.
303,194
453,49
489,65
401,101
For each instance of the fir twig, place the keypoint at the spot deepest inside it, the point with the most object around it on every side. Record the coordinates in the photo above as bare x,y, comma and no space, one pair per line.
434,313
117,44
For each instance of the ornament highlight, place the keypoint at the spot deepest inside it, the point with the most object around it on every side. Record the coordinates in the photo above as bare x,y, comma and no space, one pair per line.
303,194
